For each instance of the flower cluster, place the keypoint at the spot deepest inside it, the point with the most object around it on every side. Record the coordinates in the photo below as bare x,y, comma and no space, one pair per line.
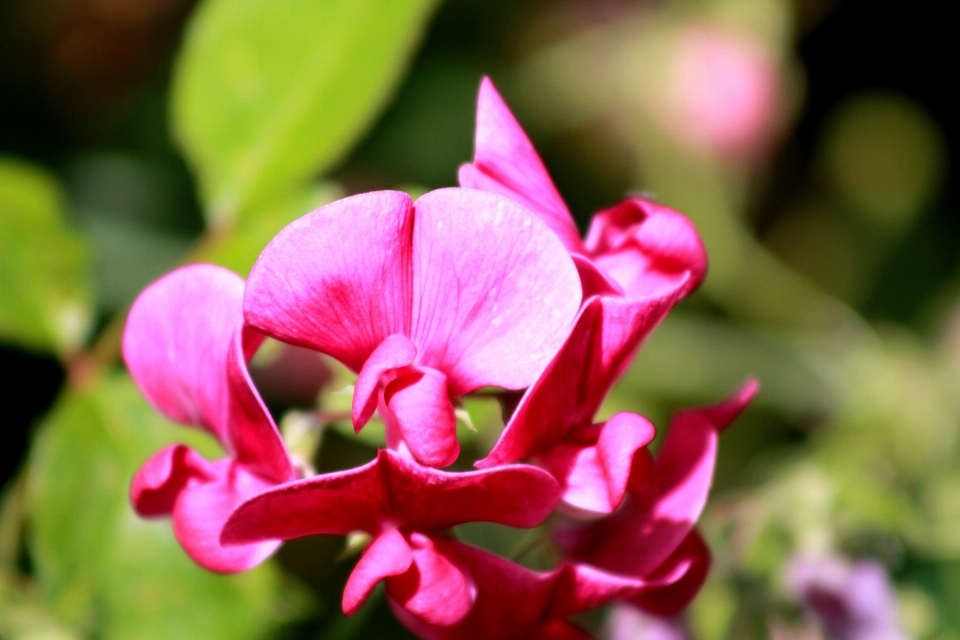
486,285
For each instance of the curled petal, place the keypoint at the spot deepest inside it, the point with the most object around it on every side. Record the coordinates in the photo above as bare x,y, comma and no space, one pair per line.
607,334
637,539
647,248
419,413
389,554
253,436
337,280
201,510
395,352
436,588
176,340
394,491
506,163
670,599
686,461
163,477
595,476
494,291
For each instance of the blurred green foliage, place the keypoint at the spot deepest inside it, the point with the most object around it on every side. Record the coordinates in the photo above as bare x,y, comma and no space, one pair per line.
268,94
45,297
837,287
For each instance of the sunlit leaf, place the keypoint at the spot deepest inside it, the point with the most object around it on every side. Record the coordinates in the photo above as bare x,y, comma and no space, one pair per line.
268,93
238,248
102,568
45,300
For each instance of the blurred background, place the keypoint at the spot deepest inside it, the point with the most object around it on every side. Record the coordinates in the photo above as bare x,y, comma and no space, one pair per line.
813,143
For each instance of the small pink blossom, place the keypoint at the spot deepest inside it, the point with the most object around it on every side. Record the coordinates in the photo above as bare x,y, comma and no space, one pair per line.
723,92
186,347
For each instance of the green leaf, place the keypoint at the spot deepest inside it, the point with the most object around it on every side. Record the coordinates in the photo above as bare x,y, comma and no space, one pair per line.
238,248
45,300
104,570
270,92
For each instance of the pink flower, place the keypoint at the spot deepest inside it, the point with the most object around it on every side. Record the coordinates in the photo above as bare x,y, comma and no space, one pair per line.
427,301
405,507
650,536
723,93
515,603
186,347
637,248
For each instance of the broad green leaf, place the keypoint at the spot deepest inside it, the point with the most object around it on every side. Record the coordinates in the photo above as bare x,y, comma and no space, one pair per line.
238,248
45,300
270,92
103,569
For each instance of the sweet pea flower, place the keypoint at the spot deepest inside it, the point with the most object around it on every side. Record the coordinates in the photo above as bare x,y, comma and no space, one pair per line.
405,507
186,347
648,540
427,301
516,603
637,248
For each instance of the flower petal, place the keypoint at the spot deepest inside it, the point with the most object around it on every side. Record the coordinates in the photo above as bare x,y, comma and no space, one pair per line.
186,348
337,280
686,462
394,352
594,476
647,248
506,163
163,477
636,540
436,588
177,337
607,334
388,554
201,510
671,599
494,291
398,492
419,413
253,436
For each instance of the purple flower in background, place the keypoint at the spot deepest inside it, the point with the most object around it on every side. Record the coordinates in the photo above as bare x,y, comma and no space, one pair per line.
851,600
629,623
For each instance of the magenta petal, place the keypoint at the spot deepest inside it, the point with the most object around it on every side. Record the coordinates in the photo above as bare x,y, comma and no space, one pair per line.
163,477
621,440
494,292
686,461
435,589
333,503
671,599
203,507
607,333
388,555
512,601
595,477
506,163
636,540
253,437
394,491
339,279
647,248
419,413
394,352
177,337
